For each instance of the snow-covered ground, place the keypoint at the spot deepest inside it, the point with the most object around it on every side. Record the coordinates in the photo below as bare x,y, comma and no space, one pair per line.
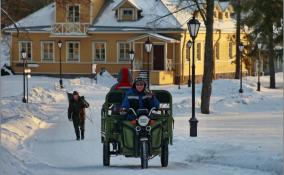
243,135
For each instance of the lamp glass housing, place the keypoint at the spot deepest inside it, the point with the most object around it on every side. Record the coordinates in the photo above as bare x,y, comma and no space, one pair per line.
148,46
193,27
59,43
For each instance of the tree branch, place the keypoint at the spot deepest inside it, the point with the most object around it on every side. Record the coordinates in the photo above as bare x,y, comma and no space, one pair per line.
202,12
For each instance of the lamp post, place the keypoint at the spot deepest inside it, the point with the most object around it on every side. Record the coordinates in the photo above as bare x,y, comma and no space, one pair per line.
60,44
24,58
259,45
131,56
193,28
189,44
241,48
148,48
28,76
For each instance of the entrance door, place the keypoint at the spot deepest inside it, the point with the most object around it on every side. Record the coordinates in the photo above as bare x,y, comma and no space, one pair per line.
158,57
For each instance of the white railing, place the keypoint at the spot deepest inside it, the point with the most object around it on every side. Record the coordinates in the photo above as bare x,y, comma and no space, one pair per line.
70,28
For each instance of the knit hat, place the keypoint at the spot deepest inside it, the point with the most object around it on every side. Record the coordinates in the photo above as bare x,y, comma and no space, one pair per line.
75,93
139,79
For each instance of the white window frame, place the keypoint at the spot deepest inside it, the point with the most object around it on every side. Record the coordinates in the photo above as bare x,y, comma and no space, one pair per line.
42,51
67,52
118,52
94,51
230,50
215,52
129,9
20,50
74,17
200,51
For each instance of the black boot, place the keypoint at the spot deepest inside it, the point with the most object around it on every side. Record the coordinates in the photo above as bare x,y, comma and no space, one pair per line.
82,134
77,134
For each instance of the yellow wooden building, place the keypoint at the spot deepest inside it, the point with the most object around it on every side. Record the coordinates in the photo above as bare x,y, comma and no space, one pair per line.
102,32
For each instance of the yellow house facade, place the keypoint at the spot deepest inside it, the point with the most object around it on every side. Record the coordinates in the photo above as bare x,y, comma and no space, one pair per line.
102,32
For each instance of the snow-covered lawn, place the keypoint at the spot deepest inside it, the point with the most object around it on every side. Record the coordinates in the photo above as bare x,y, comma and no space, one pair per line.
243,135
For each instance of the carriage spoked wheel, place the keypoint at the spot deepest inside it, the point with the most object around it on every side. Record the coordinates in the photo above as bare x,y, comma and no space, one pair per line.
165,155
144,154
106,154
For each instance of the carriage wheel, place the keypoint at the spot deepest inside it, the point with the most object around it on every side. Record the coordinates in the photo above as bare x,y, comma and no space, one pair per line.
165,155
106,154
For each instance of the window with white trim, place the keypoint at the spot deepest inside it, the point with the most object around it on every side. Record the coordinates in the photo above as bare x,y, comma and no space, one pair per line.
198,51
73,13
73,51
187,54
27,47
99,51
230,50
123,50
47,51
217,49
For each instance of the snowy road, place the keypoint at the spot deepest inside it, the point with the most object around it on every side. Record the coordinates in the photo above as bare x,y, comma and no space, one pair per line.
246,140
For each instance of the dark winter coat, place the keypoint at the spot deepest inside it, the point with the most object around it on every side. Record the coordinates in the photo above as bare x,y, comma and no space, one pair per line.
139,100
76,109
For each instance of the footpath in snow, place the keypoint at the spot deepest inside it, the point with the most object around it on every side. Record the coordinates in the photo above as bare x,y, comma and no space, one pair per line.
243,135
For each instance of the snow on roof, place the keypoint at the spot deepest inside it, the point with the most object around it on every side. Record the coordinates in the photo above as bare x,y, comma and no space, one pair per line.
42,17
224,5
154,35
124,1
182,11
156,15
151,10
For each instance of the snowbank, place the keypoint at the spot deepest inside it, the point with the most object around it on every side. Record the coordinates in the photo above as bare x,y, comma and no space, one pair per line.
226,98
241,136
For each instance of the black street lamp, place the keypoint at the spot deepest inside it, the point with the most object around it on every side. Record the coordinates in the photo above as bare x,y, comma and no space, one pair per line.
60,44
148,48
259,45
241,48
24,58
189,44
193,28
131,56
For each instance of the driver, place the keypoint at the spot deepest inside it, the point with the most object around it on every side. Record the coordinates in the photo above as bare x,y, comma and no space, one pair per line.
139,98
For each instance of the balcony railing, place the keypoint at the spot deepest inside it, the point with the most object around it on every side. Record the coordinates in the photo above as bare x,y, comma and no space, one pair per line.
70,28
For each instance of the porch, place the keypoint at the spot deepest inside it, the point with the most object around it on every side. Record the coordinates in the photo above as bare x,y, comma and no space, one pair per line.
161,60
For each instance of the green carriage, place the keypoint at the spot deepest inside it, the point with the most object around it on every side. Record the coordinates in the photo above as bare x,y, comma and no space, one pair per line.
121,137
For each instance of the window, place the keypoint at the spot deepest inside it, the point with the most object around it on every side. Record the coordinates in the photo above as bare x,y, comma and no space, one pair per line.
47,51
73,13
198,48
123,50
187,54
230,50
128,12
217,56
27,46
227,15
215,14
73,51
220,15
99,51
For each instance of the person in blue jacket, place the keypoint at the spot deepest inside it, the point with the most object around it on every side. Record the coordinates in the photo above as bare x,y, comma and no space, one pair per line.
138,97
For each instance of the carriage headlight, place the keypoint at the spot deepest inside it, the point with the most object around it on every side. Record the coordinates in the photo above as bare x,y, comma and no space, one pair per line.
143,120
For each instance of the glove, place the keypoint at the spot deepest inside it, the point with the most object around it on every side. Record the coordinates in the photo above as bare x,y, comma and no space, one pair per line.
123,111
133,122
149,93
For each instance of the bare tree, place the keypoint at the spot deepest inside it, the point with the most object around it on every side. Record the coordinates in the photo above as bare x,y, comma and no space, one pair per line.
207,13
